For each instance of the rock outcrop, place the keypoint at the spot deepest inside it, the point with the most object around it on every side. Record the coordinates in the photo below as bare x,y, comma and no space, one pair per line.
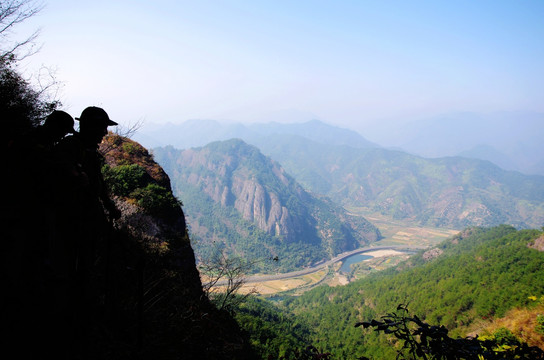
79,285
238,178
170,317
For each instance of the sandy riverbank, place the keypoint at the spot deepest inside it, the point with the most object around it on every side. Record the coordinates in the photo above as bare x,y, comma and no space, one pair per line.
382,253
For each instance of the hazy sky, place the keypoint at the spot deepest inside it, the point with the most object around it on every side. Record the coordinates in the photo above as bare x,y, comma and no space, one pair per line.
348,63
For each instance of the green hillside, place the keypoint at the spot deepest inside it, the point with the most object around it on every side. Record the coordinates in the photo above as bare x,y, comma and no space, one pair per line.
453,192
239,201
479,274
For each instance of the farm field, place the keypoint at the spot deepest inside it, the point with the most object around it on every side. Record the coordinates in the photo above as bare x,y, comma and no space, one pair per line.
403,232
394,232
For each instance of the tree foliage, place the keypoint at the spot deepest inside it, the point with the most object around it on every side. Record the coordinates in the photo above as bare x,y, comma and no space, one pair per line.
481,274
420,340
22,104
134,182
22,107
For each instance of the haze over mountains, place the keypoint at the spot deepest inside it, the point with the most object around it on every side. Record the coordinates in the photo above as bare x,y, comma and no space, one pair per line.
452,192
193,133
511,140
359,174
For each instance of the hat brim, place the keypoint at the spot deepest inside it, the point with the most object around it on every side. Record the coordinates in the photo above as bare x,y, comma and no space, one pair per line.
108,122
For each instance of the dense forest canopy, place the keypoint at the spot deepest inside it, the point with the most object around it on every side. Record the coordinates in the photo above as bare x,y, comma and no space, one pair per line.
481,274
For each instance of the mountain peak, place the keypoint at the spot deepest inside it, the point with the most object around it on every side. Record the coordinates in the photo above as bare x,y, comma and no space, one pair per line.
247,202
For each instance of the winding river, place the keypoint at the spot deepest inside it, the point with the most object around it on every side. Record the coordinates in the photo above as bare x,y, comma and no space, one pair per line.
309,270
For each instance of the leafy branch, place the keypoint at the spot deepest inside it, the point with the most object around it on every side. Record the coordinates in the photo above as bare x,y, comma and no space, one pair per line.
424,341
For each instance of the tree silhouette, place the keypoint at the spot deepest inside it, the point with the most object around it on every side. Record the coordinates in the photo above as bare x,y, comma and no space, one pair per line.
13,13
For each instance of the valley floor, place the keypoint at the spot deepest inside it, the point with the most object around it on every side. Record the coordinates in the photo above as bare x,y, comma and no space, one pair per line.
399,237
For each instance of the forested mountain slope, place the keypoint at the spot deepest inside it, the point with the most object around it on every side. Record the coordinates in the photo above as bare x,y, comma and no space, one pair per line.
453,191
450,191
478,274
238,199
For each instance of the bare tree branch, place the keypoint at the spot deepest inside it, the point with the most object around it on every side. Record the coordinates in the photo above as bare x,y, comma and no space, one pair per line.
13,13
130,129
224,278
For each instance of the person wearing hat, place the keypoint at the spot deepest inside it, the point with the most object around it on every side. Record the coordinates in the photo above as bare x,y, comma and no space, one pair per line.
81,151
93,125
42,138
84,215
57,125
33,178
32,161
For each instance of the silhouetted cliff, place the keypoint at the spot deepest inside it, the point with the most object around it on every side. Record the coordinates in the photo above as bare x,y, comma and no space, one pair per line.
141,297
173,317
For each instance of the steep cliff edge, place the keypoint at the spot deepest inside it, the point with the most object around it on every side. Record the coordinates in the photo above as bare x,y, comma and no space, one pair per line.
77,285
151,257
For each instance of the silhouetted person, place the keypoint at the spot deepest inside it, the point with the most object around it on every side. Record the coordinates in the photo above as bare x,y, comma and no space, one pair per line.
32,180
31,153
57,125
31,162
83,225
32,183
93,126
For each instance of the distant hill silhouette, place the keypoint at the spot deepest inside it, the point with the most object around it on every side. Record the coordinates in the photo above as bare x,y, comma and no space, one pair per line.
511,140
193,133
313,130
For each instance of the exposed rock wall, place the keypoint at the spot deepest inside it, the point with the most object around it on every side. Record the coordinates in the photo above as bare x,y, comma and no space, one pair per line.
152,256
230,182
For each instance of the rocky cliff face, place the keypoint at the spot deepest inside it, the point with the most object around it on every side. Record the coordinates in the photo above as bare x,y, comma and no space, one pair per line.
159,292
265,209
235,176
232,179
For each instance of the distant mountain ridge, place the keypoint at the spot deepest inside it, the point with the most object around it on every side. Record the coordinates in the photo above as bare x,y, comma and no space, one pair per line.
451,191
511,140
314,130
246,202
194,133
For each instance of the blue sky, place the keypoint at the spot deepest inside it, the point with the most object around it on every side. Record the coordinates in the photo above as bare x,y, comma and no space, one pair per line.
350,63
